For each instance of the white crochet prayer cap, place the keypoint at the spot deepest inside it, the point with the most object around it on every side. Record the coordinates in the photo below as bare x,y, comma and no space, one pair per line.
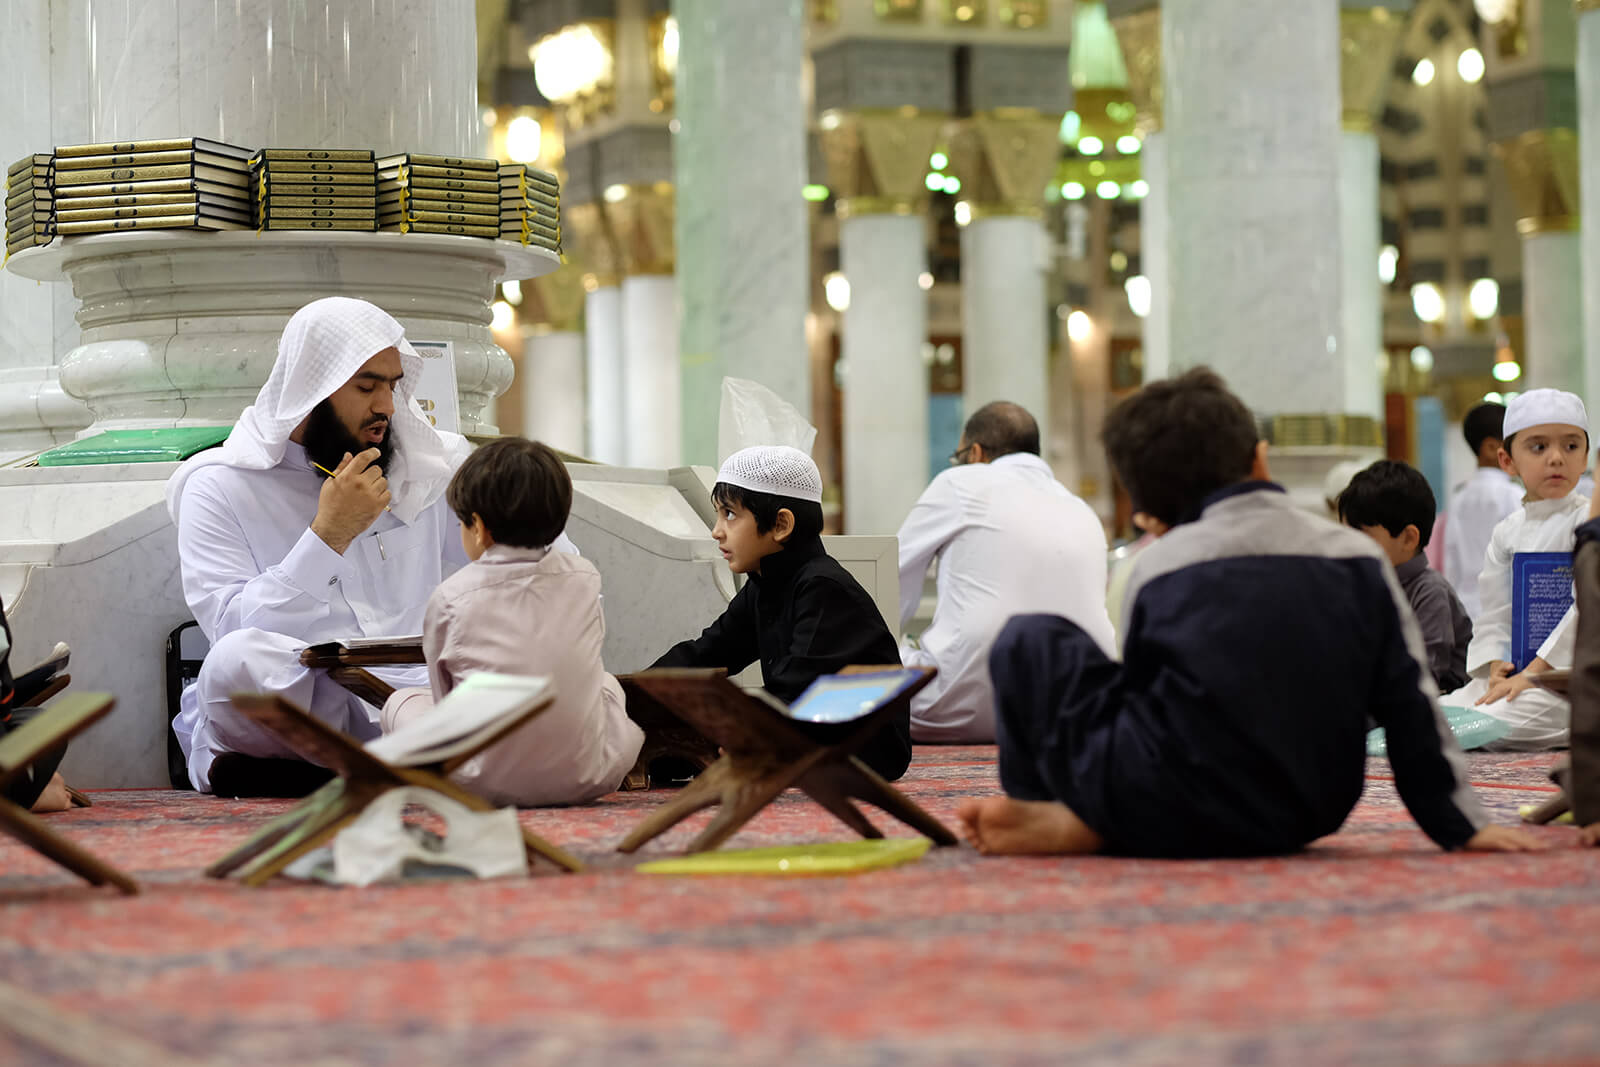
776,469
1540,407
1338,479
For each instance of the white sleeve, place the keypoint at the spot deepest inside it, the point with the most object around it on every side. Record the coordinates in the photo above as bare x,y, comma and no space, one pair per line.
1560,647
1491,630
935,518
227,590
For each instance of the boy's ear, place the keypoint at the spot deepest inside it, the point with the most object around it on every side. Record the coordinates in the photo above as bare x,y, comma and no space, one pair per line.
1411,538
783,525
1258,464
1505,462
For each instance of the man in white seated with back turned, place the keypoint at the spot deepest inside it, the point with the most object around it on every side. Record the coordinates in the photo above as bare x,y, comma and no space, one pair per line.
277,555
1010,540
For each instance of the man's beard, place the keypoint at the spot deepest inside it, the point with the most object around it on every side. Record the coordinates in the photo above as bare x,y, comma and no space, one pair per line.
326,439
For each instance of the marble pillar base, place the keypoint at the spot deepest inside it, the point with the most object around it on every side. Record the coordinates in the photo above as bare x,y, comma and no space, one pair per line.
1005,346
652,389
34,413
181,328
602,340
552,389
1552,311
885,379
1588,76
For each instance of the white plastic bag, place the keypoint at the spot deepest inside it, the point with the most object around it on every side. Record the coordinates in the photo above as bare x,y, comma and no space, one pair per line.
377,845
752,414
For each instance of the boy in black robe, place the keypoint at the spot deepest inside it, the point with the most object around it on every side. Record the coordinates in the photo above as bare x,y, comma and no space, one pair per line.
800,614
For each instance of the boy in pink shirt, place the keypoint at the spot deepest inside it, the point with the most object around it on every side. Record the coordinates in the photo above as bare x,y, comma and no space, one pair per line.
522,608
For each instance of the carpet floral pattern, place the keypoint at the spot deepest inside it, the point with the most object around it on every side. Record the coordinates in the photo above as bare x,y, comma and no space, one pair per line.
1370,947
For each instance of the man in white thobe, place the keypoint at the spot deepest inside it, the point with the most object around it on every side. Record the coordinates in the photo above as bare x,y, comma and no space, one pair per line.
1010,540
1478,506
277,555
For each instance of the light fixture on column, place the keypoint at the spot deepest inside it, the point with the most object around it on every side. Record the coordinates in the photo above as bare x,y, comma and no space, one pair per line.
1427,301
1108,190
503,315
1072,190
1495,12
523,139
1090,146
1470,66
1139,294
1422,359
1388,263
512,291
1507,370
925,281
1483,299
963,213
1422,73
573,67
836,290
1128,144
1079,326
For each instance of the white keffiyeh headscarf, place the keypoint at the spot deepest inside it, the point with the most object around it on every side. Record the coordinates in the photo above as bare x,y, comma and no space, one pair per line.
323,346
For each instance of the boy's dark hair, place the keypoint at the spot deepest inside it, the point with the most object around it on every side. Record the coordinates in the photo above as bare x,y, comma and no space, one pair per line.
1392,495
1177,441
1003,428
1484,423
519,488
764,508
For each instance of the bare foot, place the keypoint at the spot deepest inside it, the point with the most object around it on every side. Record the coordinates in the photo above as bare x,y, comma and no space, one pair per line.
1003,826
55,796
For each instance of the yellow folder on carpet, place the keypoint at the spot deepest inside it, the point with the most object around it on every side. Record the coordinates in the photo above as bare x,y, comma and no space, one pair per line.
797,861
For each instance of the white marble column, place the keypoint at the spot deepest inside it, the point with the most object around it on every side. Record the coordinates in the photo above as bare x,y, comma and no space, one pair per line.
652,392
1588,75
742,234
552,388
1553,310
1361,294
393,75
607,396
1005,343
1253,162
45,88
1153,256
885,380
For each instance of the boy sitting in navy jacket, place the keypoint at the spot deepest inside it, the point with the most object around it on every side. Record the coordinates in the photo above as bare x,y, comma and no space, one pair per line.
800,614
1259,639
1391,503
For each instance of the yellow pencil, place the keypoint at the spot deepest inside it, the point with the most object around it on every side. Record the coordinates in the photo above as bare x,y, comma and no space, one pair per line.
330,474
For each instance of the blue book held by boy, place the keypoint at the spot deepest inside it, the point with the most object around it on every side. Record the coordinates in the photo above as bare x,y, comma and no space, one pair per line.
1541,593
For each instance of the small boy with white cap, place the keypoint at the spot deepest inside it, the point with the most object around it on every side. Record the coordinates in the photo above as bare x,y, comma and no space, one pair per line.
800,614
1546,444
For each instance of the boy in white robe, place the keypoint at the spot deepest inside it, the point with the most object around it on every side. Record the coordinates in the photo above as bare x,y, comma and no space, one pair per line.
1546,445
1478,506
521,608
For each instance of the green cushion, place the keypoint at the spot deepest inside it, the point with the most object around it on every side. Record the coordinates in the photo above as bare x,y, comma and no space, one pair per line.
137,446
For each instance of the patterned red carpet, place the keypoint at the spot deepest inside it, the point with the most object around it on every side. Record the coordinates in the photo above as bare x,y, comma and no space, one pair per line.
1372,948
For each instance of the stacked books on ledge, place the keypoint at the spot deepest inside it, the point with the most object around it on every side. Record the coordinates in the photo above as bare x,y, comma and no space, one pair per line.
29,219
530,206
187,183
420,193
315,189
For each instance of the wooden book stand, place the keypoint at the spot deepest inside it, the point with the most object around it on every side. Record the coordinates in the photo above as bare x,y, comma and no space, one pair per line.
766,752
348,666
362,778
47,731
666,736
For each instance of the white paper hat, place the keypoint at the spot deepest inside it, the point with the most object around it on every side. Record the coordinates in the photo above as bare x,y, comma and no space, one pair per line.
776,469
1539,407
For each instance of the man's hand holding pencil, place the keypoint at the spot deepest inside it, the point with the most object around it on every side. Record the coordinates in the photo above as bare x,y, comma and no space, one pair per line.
352,496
